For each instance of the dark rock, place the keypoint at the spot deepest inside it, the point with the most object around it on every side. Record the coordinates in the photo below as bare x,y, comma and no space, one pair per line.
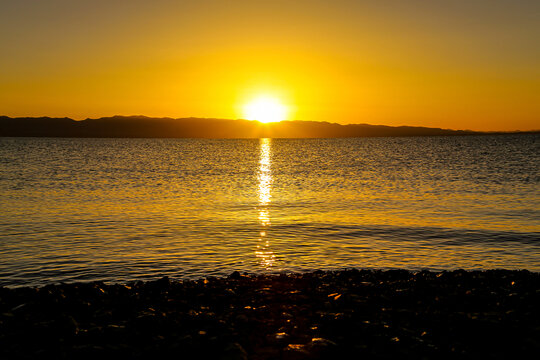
235,275
318,315
234,351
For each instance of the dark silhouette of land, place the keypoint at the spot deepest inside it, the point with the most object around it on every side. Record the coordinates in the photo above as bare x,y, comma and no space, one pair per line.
147,127
352,314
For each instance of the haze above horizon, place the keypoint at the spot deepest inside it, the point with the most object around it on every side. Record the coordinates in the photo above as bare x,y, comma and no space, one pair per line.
455,65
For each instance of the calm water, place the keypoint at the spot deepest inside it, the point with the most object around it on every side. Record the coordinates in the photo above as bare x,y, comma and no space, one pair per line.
127,209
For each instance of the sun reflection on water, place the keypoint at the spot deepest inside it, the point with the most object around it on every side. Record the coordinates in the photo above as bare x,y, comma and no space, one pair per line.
264,253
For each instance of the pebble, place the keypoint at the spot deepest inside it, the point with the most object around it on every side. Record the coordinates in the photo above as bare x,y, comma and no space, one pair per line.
318,315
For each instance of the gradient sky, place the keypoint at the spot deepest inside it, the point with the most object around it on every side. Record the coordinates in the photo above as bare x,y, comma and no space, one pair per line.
451,64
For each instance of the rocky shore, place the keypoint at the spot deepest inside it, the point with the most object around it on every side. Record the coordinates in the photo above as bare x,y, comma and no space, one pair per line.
319,315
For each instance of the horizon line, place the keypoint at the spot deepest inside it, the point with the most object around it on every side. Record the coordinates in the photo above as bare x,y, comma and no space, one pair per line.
265,124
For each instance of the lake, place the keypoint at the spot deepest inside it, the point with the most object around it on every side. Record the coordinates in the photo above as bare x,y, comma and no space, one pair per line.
120,210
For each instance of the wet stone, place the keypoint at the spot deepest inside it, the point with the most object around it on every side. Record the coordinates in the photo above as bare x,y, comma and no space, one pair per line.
318,315
234,351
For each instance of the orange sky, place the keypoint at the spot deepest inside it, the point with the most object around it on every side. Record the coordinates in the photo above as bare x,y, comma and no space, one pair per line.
451,64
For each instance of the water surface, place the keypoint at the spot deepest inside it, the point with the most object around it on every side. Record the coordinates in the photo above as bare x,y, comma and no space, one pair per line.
128,209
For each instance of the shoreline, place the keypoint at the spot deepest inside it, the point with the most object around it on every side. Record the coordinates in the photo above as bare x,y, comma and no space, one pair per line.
316,315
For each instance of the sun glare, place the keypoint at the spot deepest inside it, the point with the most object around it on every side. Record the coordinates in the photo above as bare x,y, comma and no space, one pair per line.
265,109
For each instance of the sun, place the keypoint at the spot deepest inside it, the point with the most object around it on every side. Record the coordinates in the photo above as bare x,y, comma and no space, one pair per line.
265,109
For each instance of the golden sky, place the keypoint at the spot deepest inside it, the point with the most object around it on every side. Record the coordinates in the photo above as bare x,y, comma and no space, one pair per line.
451,64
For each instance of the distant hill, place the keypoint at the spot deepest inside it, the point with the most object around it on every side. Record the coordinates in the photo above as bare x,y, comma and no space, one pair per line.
147,127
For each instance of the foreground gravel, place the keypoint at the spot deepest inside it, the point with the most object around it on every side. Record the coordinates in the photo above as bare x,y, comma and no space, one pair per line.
319,315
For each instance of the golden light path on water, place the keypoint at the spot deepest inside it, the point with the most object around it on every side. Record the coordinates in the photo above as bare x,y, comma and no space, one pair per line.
264,253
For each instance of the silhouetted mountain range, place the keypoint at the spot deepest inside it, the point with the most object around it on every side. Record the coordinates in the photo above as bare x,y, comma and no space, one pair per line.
147,127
